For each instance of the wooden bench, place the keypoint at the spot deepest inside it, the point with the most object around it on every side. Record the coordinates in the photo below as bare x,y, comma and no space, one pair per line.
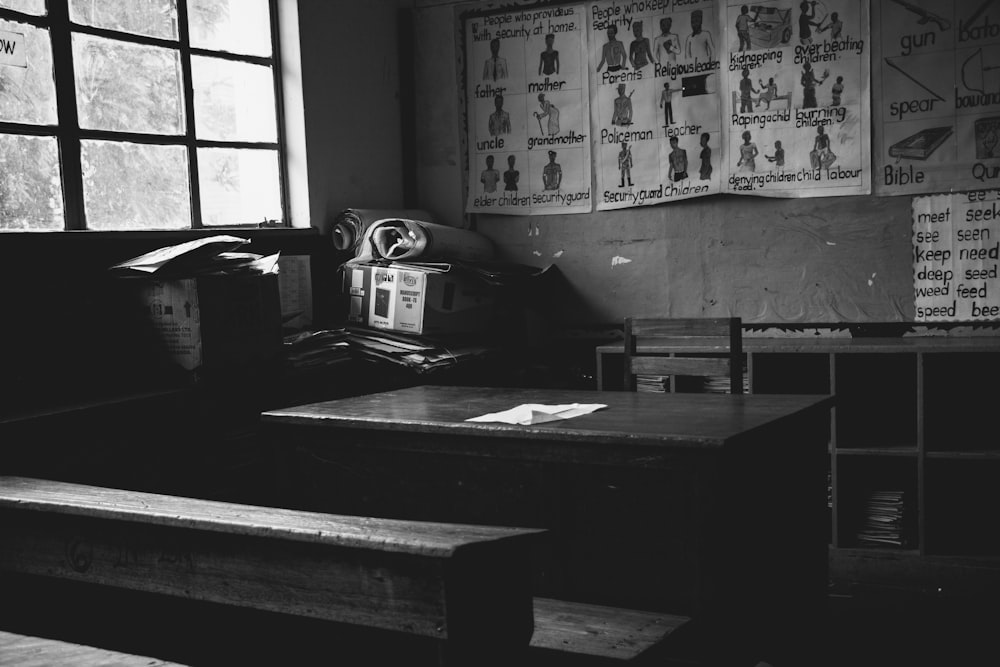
464,589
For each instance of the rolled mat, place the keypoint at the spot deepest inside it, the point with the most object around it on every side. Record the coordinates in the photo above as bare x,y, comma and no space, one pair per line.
403,239
349,225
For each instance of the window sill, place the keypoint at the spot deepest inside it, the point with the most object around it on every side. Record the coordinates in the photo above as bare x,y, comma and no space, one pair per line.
33,241
171,234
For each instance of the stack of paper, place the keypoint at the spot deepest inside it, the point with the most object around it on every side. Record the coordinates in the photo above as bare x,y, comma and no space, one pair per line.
202,256
538,413
719,384
418,354
316,349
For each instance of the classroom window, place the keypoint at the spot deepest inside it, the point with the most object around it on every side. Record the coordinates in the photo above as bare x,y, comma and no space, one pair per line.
139,115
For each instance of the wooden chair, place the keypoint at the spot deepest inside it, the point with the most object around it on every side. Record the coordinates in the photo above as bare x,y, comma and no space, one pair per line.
711,348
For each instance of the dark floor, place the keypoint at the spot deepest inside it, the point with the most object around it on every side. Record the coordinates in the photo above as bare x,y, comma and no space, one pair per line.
866,627
886,628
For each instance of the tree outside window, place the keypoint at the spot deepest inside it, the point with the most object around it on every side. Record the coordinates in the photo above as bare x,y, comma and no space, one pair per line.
139,114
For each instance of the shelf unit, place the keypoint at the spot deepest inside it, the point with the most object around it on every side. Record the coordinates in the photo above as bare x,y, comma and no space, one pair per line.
914,414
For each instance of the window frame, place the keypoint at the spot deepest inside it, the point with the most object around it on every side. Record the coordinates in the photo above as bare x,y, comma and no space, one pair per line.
69,135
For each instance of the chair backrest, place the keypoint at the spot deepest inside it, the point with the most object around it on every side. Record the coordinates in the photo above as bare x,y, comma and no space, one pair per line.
710,348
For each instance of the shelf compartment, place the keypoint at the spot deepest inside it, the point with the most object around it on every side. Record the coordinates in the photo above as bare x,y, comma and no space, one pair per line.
788,373
858,481
959,408
962,507
876,400
888,450
981,455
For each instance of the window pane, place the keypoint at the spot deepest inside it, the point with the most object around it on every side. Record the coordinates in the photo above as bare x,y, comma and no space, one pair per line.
135,186
153,18
28,94
239,186
36,7
30,190
127,87
236,26
233,101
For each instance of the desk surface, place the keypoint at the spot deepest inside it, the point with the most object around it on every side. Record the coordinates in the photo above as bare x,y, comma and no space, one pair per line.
693,420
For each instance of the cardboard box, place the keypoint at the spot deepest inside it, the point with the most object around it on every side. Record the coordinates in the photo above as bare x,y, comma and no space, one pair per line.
216,321
412,300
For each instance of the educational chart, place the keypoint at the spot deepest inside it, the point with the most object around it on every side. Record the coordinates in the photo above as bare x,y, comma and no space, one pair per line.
529,127
956,252
938,64
654,103
797,98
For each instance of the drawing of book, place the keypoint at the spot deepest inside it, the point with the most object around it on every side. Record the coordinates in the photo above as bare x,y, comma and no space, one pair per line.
919,146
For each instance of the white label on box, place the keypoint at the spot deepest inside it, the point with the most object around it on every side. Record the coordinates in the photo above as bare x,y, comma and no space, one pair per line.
410,308
382,304
175,313
396,300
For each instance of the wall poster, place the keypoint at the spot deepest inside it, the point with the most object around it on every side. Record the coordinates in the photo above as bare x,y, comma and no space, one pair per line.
796,98
956,254
938,119
620,103
528,118
654,104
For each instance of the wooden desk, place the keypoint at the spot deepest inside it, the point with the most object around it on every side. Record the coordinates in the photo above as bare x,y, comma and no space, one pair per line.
709,505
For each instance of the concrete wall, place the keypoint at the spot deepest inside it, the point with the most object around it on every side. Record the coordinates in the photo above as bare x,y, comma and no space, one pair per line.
351,98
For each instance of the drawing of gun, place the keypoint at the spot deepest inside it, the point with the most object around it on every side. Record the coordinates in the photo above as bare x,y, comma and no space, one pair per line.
925,16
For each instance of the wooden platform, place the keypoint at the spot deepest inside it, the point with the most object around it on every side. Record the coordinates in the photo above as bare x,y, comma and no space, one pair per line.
26,651
575,630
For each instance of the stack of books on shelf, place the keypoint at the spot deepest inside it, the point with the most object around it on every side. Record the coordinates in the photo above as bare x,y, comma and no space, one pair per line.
718,384
885,520
652,383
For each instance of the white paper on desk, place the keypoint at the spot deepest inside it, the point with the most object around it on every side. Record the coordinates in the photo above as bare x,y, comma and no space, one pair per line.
536,413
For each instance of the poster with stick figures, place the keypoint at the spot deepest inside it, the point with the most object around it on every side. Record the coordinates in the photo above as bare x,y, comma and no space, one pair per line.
654,103
796,98
527,111
937,67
